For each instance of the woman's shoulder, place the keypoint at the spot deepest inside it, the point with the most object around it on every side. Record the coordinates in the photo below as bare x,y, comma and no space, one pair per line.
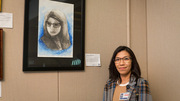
143,85
143,81
144,88
109,83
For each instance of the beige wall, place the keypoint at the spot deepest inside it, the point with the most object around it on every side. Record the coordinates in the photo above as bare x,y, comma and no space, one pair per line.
138,34
149,27
154,38
163,22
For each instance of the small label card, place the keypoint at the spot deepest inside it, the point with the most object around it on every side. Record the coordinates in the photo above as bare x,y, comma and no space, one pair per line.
93,60
6,20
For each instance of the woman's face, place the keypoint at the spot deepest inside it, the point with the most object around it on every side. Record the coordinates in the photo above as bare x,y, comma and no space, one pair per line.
53,26
123,63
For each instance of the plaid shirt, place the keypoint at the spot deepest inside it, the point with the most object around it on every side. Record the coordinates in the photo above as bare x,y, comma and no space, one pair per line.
139,91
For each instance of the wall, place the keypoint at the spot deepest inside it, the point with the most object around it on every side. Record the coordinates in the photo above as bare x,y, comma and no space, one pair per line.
163,21
154,38
138,36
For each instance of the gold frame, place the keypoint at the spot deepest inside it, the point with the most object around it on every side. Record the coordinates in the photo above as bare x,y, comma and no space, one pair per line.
0,5
1,54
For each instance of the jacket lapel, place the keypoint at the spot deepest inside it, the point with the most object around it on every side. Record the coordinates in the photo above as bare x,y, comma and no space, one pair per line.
131,86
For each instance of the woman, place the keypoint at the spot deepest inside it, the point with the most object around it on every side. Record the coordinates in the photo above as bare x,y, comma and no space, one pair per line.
125,82
56,36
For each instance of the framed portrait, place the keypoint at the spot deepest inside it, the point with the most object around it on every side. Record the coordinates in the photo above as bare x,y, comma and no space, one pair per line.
54,35
1,54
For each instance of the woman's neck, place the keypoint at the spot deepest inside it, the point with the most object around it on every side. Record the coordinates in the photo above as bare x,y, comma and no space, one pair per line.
125,78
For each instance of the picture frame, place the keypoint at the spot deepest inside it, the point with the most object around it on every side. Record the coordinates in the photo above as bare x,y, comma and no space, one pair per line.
0,5
54,33
1,54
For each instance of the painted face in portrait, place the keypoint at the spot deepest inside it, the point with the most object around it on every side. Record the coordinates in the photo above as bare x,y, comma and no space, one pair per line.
53,26
123,63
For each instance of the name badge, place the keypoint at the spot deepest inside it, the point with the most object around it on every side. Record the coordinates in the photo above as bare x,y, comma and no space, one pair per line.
125,96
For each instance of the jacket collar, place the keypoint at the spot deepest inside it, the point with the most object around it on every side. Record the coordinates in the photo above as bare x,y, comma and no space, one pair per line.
131,84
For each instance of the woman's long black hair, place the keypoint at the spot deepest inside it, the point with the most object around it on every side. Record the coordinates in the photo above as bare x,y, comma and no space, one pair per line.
135,69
